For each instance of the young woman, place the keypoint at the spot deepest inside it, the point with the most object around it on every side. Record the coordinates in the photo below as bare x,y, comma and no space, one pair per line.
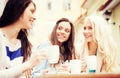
98,41
15,48
62,35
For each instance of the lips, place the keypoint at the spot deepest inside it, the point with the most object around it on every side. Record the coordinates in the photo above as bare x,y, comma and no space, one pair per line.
60,36
87,36
31,21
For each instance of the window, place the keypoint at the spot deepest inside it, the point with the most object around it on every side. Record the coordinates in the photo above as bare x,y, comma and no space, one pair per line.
67,5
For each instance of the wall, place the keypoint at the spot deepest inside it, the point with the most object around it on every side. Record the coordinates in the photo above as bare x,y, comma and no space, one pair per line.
2,4
45,19
115,17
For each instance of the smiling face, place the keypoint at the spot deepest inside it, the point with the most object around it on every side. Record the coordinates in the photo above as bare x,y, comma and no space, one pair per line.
88,31
28,18
63,31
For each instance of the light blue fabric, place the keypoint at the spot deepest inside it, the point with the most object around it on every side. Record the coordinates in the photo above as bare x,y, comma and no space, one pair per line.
44,44
41,66
44,64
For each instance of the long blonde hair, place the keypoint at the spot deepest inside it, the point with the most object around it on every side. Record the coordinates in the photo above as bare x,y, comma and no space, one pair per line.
106,45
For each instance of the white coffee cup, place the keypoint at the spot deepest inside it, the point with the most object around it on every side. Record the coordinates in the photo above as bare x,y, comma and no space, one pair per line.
91,63
75,66
53,53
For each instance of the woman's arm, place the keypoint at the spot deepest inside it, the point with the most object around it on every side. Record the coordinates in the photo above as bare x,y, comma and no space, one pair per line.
14,72
18,70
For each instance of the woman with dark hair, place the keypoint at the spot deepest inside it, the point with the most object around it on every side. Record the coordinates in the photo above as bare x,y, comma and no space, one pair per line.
62,35
15,48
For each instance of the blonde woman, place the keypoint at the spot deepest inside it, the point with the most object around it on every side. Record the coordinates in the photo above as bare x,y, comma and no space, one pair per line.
98,41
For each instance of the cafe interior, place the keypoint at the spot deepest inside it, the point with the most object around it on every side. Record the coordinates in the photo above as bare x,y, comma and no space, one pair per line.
49,11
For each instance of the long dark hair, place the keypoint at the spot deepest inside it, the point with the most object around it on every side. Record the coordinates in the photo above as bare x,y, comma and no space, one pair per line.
12,12
67,49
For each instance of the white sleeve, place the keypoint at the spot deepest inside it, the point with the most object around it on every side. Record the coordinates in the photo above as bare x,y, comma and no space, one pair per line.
13,72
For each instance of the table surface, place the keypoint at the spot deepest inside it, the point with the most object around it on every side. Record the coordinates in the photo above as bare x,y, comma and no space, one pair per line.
81,75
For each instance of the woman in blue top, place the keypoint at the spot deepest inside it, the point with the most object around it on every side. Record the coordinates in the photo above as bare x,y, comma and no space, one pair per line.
62,35
15,48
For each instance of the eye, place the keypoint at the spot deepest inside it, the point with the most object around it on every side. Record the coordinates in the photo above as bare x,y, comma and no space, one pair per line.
90,28
84,28
67,30
59,27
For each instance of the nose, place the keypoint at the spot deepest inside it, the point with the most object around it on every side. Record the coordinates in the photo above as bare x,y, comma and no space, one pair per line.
62,31
85,32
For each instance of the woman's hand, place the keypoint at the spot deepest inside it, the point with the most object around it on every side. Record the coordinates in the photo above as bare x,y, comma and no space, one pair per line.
37,58
64,67
84,65
45,71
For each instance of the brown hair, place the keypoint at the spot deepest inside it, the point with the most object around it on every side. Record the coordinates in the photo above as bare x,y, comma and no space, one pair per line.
67,49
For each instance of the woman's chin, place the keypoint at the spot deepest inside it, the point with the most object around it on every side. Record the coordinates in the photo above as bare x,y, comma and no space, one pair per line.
88,40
